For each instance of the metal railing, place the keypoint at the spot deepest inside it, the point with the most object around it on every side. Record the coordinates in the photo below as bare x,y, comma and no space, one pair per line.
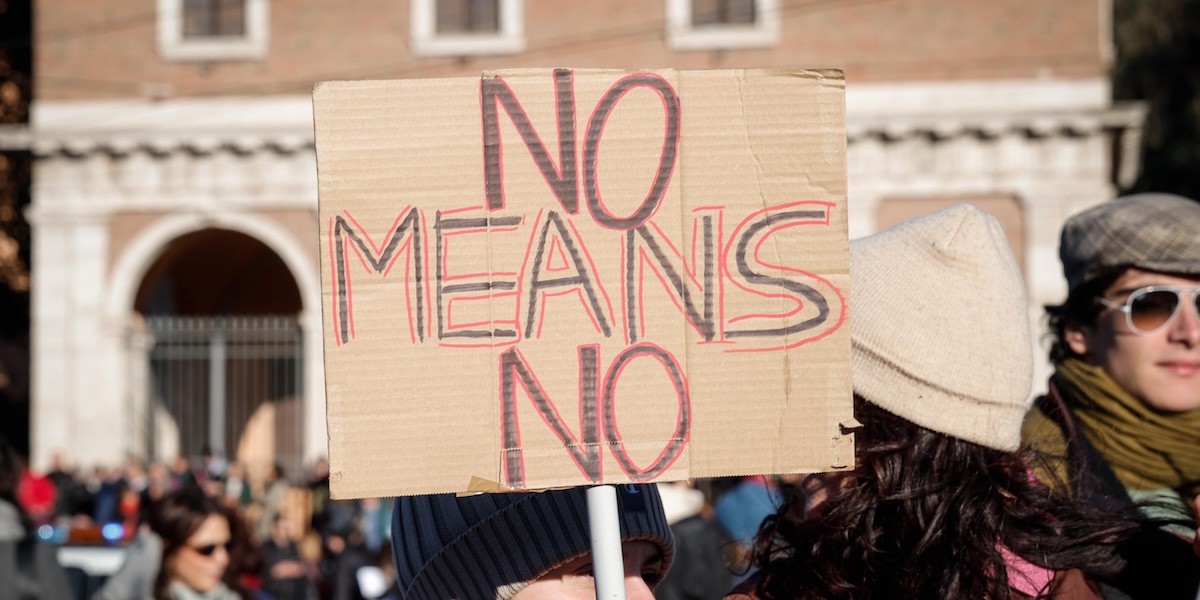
232,385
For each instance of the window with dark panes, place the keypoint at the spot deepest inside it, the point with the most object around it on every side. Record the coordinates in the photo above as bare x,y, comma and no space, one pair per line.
214,18
468,16
723,12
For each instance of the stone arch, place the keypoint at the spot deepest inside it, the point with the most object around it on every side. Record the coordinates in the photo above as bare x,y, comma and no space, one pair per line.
152,245
218,272
140,254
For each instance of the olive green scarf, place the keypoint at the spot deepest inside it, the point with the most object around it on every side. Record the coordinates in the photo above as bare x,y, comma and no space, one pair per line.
1146,449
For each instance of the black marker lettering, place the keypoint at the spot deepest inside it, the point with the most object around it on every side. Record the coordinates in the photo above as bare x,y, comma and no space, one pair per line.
563,179
583,277
666,160
752,277
703,322
609,412
445,290
585,450
410,225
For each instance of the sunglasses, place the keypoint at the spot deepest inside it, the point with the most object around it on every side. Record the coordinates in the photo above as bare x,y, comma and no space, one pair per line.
1151,308
209,549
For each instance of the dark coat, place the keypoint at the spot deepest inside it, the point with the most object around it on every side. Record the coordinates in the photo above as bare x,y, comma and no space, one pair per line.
29,570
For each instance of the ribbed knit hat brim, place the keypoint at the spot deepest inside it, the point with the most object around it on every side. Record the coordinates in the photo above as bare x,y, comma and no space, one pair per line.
940,326
490,546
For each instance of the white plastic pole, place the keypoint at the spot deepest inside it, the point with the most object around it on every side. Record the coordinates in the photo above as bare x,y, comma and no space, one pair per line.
608,566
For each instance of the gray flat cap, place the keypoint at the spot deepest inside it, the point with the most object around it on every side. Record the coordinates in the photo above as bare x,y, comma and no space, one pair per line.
1154,232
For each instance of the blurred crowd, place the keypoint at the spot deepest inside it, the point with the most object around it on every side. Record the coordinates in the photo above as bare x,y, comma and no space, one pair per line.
291,541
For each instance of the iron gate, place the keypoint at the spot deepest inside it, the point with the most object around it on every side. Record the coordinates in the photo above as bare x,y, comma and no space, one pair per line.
232,385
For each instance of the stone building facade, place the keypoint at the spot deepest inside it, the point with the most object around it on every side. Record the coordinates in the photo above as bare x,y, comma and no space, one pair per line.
175,174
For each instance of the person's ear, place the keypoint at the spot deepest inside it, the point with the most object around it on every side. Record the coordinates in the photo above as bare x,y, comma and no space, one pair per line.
1076,337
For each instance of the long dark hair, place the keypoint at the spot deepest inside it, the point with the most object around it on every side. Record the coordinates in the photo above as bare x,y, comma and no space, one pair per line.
1079,309
925,515
175,518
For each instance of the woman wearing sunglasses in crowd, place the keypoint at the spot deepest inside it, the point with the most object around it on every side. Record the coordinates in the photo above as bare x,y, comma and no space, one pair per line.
186,553
1122,413
197,542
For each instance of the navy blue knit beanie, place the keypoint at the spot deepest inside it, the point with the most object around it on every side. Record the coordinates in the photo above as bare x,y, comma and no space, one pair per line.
490,546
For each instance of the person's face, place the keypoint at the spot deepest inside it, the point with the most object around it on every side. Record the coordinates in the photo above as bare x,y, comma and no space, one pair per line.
573,580
281,531
189,565
1161,369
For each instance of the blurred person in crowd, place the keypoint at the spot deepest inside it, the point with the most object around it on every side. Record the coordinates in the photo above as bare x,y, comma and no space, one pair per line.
336,526
329,546
108,496
214,464
237,486
345,548
310,548
377,581
533,545
940,503
246,558
375,521
318,483
700,570
214,488
129,511
90,486
285,575
739,509
67,493
158,485
339,518
1123,407
181,473
29,568
274,494
36,494
346,565
184,554
136,477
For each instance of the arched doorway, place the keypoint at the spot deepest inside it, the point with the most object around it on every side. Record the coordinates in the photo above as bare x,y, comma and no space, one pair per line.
223,368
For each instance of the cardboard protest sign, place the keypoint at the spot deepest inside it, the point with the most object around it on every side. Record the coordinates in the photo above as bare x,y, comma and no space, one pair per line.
545,278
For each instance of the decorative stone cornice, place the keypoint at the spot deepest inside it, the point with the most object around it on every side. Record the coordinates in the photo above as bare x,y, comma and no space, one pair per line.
1122,123
198,126
1129,116
161,143
936,114
988,125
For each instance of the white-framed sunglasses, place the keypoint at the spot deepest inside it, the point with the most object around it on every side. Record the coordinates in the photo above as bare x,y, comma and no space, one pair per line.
1151,308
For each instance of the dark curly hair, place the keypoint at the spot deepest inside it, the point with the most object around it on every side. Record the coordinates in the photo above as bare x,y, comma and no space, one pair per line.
925,515
1080,308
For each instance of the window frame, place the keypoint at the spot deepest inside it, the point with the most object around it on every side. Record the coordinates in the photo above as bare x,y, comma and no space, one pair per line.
173,46
683,36
426,41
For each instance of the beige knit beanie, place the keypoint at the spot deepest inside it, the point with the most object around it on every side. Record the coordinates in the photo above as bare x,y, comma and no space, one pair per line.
940,326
